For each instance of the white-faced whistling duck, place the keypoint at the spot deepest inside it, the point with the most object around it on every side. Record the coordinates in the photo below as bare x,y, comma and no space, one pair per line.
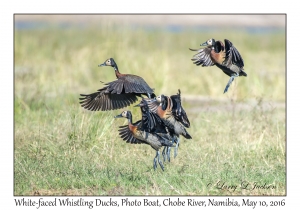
172,115
153,123
117,94
226,57
166,111
137,133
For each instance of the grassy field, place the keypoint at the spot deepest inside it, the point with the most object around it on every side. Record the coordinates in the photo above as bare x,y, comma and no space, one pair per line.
62,149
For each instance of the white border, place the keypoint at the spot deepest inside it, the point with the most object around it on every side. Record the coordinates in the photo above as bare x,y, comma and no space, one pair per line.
112,6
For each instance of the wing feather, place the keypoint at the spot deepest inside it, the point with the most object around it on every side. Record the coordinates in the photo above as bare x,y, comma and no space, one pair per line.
178,111
202,57
127,135
232,55
103,100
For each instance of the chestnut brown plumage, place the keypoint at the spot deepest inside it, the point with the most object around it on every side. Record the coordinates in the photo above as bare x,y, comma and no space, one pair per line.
138,133
117,94
226,57
168,112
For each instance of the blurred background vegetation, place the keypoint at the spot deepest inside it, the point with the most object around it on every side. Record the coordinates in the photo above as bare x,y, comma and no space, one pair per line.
60,148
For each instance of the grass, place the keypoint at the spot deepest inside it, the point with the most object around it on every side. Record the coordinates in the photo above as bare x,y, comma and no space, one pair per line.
62,149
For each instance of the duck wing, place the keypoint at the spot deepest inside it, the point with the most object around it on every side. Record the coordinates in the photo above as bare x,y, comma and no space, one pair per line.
126,134
132,84
105,100
150,120
202,57
178,111
152,105
232,55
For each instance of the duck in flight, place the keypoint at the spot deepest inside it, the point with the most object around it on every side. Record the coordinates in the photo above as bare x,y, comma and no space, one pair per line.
226,57
168,112
139,133
117,94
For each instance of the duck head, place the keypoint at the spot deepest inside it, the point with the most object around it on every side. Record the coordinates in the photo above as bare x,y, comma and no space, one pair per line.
125,114
209,43
109,62
161,98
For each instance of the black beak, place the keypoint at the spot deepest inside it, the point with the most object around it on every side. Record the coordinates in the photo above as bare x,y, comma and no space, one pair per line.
118,116
138,105
151,99
103,64
204,44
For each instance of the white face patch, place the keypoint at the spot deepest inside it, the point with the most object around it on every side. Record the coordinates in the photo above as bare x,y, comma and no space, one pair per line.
124,113
158,98
107,62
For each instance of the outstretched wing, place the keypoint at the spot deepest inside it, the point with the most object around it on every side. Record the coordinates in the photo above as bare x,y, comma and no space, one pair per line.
105,100
232,55
132,84
127,136
153,139
153,105
178,111
202,57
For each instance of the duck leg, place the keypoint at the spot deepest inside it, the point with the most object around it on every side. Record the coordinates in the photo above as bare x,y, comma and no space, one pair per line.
155,163
230,81
176,141
164,153
159,161
176,147
168,153
157,158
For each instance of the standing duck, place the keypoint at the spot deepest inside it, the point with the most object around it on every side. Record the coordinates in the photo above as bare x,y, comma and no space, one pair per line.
226,57
117,94
137,133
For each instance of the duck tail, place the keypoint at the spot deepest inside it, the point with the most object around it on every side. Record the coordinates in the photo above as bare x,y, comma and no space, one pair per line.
187,135
242,73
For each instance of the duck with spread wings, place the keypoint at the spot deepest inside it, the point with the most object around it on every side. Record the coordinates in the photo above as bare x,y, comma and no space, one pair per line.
139,133
226,57
117,94
169,112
